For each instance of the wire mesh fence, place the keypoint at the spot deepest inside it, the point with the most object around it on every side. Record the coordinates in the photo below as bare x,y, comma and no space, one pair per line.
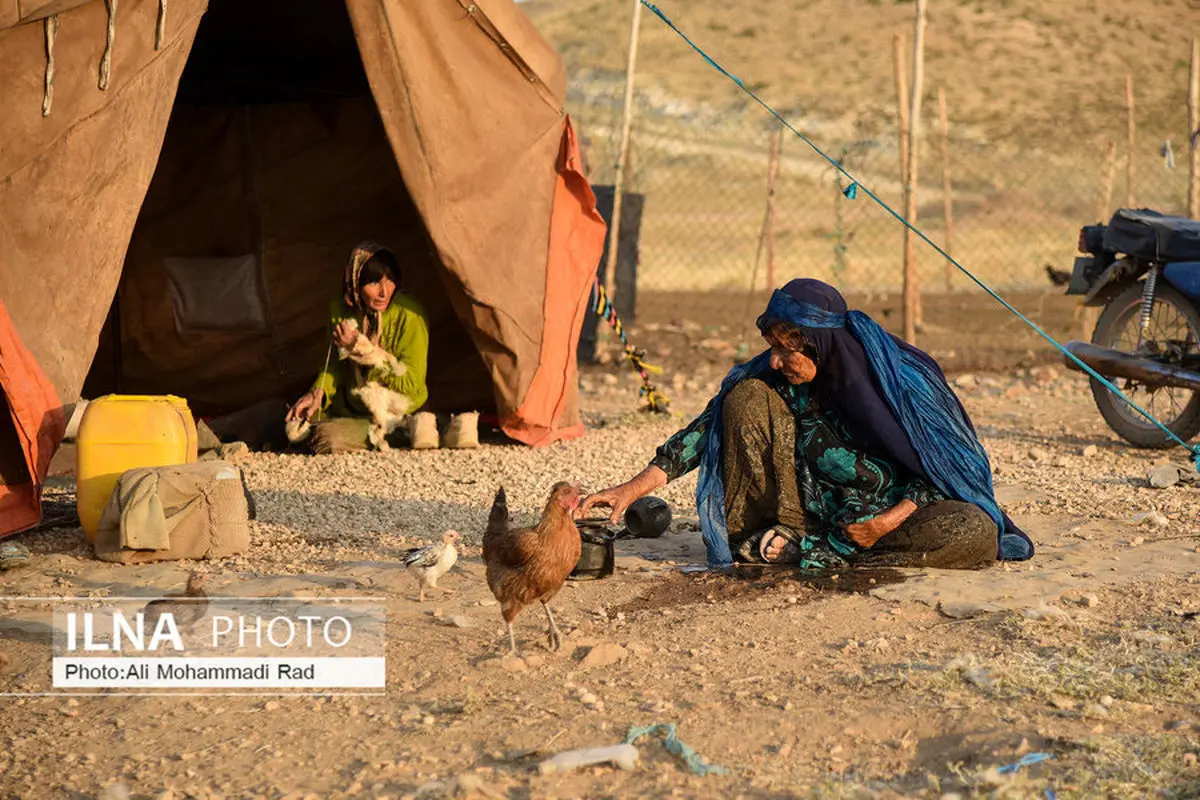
703,175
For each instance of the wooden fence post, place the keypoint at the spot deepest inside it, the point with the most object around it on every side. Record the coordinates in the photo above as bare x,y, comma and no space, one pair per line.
1104,201
614,227
1129,193
1087,315
901,104
912,300
1193,203
772,175
947,196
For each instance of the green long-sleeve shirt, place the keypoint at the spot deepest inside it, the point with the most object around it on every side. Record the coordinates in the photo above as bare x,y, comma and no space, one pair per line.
404,332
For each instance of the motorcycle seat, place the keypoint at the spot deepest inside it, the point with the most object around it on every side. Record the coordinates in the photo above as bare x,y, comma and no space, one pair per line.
1145,233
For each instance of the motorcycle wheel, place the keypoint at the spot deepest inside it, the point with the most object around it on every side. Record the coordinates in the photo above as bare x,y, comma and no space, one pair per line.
1175,319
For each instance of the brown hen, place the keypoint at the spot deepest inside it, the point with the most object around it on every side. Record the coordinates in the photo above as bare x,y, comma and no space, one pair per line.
531,564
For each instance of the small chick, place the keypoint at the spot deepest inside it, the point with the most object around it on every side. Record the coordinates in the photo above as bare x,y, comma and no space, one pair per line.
1058,277
187,608
432,562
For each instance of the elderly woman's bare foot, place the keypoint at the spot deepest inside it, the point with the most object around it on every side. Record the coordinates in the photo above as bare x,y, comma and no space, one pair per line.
775,548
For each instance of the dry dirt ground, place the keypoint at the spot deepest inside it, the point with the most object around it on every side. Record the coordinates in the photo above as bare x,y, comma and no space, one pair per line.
883,685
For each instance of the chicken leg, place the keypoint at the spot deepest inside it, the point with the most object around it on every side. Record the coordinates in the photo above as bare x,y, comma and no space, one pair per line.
512,641
424,584
553,635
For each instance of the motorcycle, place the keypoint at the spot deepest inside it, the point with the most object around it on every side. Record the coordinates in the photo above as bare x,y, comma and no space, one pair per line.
1143,268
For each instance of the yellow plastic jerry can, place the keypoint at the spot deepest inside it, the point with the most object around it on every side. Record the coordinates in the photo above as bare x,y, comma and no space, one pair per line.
123,432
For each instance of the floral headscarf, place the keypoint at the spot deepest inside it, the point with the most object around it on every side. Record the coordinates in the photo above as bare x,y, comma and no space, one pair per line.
359,256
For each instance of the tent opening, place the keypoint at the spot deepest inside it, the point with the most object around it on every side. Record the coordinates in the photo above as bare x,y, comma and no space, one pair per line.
275,163
13,469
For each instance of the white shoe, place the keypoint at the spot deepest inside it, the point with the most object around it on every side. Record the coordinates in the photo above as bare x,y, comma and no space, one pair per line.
462,432
422,431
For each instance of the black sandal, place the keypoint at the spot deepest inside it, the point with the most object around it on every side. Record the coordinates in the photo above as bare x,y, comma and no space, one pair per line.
753,549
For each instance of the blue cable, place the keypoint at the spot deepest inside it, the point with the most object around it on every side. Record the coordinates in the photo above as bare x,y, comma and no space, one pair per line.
852,191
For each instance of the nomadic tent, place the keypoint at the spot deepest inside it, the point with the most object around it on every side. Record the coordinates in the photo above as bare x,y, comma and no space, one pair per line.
181,183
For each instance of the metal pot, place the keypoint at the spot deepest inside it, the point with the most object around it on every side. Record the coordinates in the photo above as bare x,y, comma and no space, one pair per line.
647,518
596,555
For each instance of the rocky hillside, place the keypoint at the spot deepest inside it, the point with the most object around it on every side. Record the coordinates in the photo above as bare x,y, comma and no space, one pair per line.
1019,73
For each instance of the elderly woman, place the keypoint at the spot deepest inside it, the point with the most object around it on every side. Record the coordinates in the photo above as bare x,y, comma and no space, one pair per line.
373,383
840,445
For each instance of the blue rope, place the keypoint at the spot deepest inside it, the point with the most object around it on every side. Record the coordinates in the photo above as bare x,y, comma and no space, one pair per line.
1027,760
852,191
690,757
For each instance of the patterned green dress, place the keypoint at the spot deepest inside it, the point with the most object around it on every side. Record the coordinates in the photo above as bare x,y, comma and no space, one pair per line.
839,483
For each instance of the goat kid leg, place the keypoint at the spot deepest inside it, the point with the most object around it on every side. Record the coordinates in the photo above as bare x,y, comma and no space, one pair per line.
377,437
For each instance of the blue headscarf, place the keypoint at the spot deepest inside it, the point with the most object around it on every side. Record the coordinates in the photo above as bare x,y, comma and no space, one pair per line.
892,396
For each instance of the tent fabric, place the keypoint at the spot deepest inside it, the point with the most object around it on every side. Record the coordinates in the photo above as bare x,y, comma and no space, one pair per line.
17,12
37,420
338,152
71,183
429,66
574,237
70,187
470,101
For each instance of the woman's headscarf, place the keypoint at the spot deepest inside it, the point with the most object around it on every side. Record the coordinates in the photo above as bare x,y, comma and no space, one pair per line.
893,398
359,256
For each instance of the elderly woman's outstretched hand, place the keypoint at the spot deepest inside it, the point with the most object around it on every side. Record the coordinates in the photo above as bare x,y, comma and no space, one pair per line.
619,498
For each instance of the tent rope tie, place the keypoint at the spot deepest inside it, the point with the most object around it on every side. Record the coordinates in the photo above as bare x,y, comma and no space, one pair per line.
656,401
106,59
51,29
851,193
160,29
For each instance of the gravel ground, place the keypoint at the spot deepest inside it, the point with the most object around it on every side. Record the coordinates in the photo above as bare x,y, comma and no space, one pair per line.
1051,454
801,689
1040,428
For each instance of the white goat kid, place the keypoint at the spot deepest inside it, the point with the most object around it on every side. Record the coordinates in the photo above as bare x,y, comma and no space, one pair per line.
388,409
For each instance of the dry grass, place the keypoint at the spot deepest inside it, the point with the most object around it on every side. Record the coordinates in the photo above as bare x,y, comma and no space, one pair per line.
1136,766
1102,678
1017,72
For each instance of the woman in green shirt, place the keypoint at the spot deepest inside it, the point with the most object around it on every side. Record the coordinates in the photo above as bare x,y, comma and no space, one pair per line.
374,384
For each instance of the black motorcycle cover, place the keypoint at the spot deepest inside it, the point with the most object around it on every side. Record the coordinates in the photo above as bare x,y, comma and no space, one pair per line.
1151,235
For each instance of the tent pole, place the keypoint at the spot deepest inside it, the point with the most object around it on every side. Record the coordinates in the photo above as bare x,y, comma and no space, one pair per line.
614,227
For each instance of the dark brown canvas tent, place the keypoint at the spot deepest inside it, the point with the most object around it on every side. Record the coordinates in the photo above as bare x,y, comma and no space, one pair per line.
188,178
